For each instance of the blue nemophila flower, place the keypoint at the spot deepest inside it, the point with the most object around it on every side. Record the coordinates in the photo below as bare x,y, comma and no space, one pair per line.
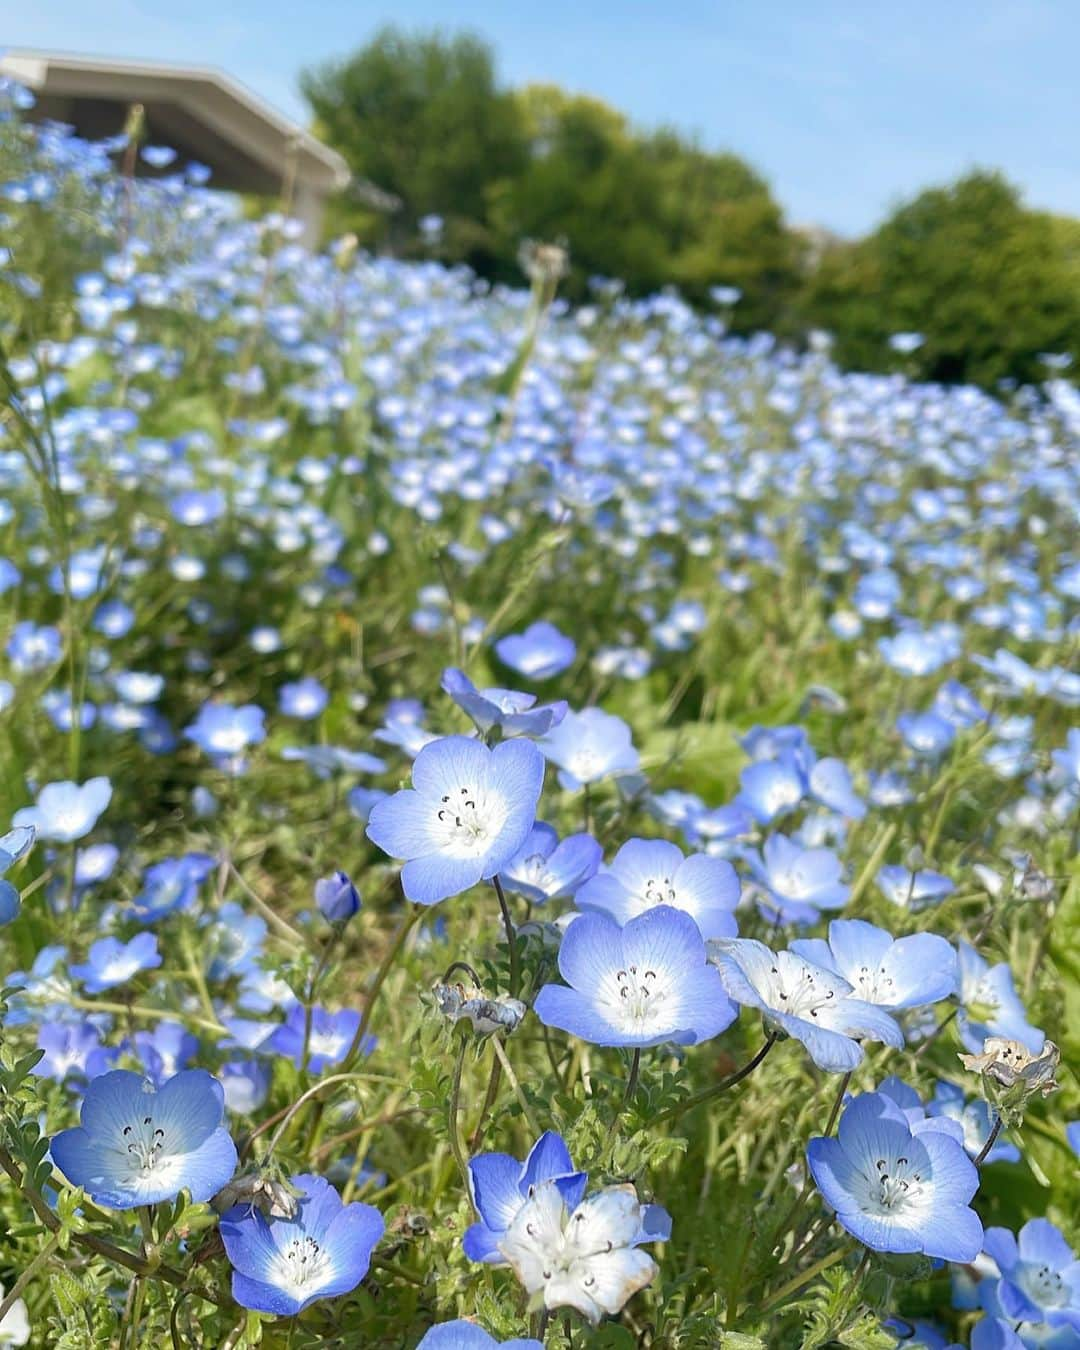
512,712
927,734
589,746
799,881
304,699
643,984
500,1186
197,508
337,897
281,1266
326,760
830,782
976,1120
14,845
546,869
171,885
95,863
770,788
538,653
329,1038
994,1333
111,962
166,1050
462,1335
905,972
31,648
809,1002
467,813
898,1186
649,872
588,1258
912,890
66,811
138,1145
990,1005
246,1083
72,1047
225,731
1040,1274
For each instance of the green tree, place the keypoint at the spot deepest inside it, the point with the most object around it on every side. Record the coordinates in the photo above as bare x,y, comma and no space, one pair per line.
989,283
423,117
651,209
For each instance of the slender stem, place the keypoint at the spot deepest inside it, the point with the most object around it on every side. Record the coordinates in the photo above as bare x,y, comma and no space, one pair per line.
489,1101
142,1010
872,864
270,915
631,1087
452,1121
195,970
411,917
312,1091
508,1069
588,809
811,1273
707,1094
991,1140
838,1102
511,937
804,1194
935,1034
27,1275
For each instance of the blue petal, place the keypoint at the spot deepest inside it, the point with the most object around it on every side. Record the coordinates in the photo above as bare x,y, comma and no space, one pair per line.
495,1181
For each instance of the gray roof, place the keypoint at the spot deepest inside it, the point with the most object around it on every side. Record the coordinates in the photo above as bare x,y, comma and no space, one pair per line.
200,112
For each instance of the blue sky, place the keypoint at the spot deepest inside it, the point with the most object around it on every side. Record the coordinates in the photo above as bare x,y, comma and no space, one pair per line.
846,106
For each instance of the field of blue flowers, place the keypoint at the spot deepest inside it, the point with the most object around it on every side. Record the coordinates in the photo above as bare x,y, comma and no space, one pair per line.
519,825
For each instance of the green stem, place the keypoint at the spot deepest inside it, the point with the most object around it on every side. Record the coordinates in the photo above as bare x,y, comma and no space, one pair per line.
508,1069
811,1273
452,1121
707,1094
991,1140
872,864
411,917
511,937
28,1274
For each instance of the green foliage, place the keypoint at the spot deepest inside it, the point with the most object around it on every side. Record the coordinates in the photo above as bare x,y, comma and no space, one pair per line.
989,283
423,118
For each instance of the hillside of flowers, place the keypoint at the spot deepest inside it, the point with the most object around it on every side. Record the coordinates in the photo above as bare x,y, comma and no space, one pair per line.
520,825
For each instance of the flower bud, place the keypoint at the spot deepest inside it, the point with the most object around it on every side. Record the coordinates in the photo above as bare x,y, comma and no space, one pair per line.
337,897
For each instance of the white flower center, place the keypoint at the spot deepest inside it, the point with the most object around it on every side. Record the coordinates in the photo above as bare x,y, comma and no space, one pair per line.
893,1187
303,1263
633,997
1043,1286
466,821
875,986
798,990
658,891
144,1143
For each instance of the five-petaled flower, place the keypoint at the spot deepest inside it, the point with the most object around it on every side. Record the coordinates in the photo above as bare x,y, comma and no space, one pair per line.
500,1186
138,1144
467,813
899,1185
650,872
803,1000
588,1258
281,1265
643,984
